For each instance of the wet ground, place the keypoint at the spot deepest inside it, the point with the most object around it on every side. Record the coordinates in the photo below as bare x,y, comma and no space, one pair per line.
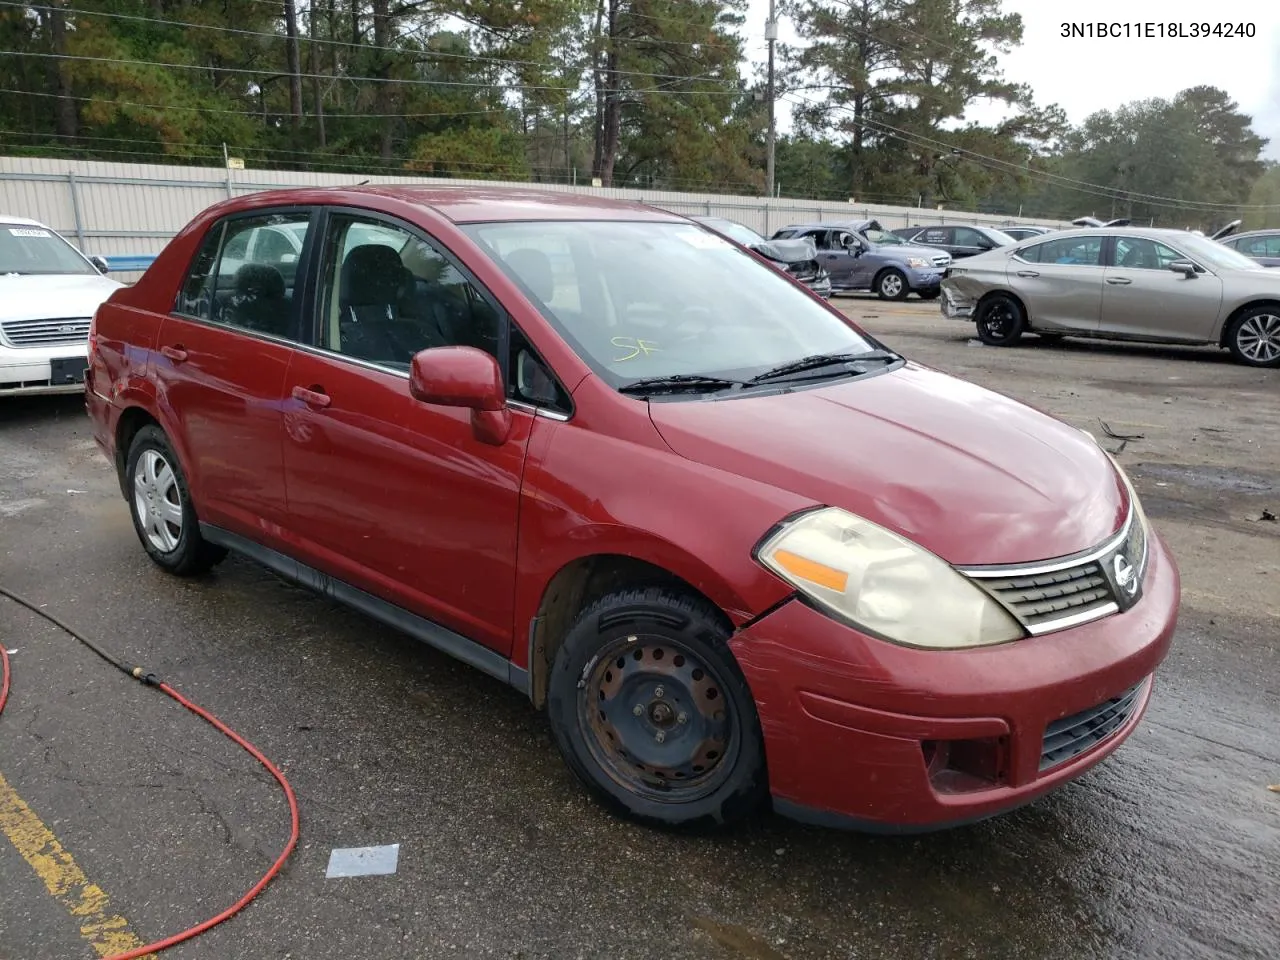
1169,849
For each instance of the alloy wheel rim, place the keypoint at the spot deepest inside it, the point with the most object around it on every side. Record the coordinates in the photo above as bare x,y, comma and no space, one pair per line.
657,720
1259,338
158,501
997,320
891,285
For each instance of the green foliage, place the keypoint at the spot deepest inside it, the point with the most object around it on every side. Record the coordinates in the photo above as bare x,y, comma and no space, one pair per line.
652,93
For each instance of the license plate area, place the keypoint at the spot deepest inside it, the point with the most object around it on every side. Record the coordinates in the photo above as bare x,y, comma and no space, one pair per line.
64,370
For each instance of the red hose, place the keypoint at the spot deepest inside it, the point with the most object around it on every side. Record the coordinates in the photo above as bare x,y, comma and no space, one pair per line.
222,728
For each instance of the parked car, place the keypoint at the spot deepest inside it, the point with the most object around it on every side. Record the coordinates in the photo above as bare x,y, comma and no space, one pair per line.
957,239
1025,233
1163,286
795,257
1260,245
48,293
862,255
734,545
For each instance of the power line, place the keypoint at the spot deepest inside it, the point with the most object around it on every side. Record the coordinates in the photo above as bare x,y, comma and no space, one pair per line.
1082,186
324,76
418,54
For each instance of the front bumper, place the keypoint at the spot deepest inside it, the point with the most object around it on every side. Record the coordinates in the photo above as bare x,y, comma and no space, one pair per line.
924,278
31,370
868,734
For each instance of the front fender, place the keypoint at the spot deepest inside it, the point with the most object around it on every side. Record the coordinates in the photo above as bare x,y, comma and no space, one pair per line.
586,494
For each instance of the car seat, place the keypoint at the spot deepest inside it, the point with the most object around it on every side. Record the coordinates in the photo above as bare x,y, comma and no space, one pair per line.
258,300
372,325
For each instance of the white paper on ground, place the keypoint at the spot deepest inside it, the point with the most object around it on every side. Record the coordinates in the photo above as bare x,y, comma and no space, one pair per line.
363,861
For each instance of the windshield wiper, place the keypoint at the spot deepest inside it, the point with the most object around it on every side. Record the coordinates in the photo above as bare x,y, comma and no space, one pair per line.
818,360
680,383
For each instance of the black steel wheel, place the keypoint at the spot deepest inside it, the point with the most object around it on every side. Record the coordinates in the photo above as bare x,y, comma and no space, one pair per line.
651,711
1000,320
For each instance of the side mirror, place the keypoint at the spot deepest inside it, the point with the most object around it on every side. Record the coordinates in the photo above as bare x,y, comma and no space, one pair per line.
1184,267
463,377
99,264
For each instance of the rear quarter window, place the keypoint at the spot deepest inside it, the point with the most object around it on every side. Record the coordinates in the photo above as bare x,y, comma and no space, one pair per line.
195,299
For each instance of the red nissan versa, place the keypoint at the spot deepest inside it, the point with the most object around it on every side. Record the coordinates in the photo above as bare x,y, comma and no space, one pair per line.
734,545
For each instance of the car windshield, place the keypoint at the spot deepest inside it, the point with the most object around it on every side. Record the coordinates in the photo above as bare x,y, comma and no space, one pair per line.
27,248
735,231
642,300
1217,255
881,238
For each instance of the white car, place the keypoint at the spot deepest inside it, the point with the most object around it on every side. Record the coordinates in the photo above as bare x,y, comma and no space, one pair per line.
49,291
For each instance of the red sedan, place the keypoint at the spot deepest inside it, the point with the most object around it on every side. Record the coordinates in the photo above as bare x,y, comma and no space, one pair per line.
736,547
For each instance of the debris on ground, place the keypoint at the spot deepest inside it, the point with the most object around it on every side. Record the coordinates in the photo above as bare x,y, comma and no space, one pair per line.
1118,450
975,343
1266,515
1274,788
1119,436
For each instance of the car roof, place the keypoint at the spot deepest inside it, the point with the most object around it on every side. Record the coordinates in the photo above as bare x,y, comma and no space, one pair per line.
1266,232
1155,233
830,225
5,218
481,204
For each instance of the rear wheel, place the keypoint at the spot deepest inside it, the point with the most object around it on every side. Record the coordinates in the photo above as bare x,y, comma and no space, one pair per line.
1000,320
651,712
160,505
891,285
1254,337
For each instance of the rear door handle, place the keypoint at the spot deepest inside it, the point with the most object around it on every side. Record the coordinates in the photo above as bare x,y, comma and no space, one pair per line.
1028,273
1119,281
177,353
312,397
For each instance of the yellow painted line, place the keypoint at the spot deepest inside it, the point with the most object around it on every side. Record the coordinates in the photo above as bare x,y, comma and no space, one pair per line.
107,933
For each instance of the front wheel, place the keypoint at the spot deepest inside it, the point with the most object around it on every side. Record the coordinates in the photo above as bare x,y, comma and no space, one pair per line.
1000,320
1254,337
651,712
892,285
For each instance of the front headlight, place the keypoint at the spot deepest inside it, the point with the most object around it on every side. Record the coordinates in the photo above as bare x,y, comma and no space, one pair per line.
885,584
918,262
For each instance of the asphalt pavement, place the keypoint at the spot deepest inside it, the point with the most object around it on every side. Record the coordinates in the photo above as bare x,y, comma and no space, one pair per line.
1169,849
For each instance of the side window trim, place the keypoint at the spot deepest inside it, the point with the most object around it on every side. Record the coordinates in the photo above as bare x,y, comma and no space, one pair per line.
301,280
376,216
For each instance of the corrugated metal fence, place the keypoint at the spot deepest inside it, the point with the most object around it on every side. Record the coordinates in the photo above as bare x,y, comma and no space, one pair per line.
133,208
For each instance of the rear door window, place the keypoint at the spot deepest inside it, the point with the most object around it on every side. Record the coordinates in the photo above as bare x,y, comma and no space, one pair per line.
1077,251
245,274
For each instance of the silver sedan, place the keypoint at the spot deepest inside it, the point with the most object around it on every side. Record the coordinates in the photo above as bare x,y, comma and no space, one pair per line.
1158,286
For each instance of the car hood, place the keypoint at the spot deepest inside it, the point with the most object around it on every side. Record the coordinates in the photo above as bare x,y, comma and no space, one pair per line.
902,251
971,475
786,251
53,296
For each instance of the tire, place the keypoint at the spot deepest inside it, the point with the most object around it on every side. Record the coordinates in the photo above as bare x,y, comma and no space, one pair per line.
891,284
1254,337
1000,321
928,294
160,504
652,713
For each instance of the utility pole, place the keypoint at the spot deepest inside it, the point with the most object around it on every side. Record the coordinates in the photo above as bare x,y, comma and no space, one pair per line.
771,35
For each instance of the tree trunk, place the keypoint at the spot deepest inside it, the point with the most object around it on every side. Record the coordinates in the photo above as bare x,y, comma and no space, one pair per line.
313,68
597,80
65,114
611,121
294,60
383,94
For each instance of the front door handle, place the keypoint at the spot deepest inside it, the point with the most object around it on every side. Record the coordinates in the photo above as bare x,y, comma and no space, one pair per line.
313,396
176,353
1027,273
1119,281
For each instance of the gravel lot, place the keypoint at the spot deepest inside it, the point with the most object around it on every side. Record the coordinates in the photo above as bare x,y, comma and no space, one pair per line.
1170,849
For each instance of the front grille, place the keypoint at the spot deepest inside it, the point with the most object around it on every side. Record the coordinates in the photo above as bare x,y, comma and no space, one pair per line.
45,333
1072,736
942,261
1046,597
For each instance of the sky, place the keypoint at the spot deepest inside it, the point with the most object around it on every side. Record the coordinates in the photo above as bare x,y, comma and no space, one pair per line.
1086,75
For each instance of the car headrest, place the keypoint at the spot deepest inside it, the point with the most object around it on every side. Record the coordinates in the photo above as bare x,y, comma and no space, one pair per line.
259,281
534,268
372,274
